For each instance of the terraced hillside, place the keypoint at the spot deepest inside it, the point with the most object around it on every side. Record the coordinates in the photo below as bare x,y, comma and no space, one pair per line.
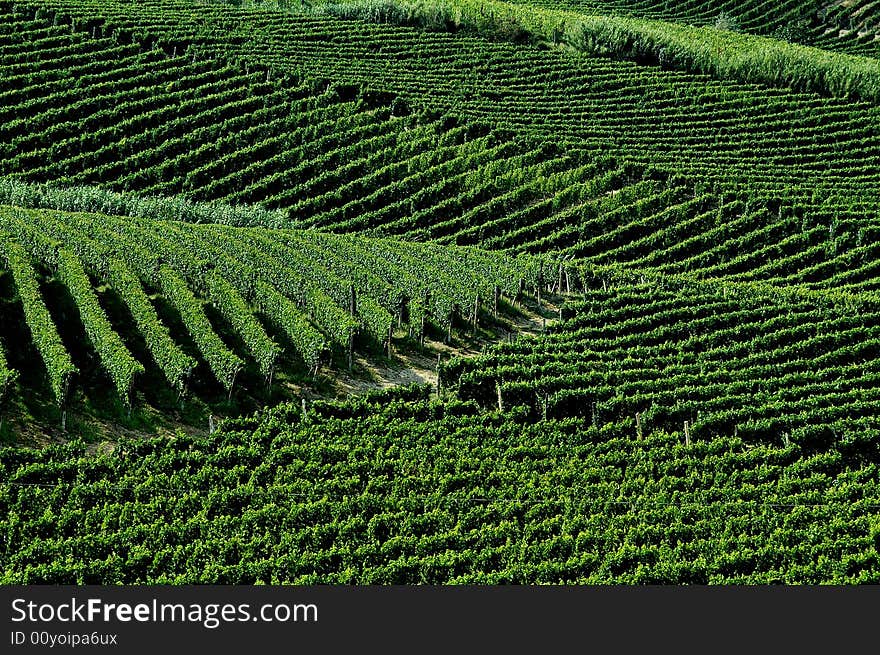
316,295
679,435
766,140
354,165
330,156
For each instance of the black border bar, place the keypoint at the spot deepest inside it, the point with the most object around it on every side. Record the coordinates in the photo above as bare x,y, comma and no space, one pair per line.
461,619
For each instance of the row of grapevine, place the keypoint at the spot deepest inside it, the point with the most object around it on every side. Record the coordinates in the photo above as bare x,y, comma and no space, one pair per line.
39,321
224,363
115,357
176,365
236,311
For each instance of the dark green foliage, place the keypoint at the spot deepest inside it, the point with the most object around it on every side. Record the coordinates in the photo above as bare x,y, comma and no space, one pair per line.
396,490
293,280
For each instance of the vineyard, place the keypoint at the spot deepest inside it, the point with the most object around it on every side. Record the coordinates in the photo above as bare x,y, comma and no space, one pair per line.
725,134
626,250
318,294
399,490
735,363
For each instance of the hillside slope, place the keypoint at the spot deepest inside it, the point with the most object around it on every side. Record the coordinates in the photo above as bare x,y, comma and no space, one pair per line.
694,398
769,141
147,304
398,490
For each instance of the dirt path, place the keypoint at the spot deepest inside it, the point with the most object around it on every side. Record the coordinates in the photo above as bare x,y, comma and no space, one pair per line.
413,364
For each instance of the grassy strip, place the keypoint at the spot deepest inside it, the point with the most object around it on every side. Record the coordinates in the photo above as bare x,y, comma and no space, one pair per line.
721,53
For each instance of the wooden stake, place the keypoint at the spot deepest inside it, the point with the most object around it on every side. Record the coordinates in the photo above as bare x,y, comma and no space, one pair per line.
439,382
232,386
687,434
476,313
498,390
540,282
639,426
